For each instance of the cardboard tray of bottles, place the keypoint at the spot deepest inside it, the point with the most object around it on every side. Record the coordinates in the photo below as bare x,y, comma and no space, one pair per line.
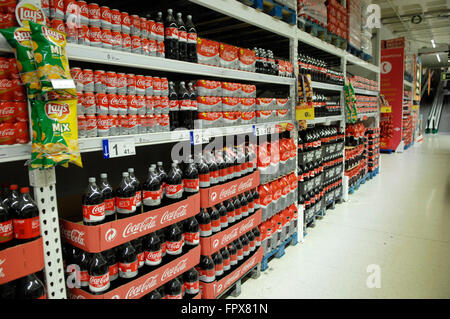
214,289
211,244
108,235
217,194
21,260
139,287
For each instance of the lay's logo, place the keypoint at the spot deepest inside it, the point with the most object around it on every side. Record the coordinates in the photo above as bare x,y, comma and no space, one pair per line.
26,11
57,111
56,37
23,36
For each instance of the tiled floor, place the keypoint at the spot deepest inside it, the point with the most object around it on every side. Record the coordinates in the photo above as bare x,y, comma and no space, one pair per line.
400,221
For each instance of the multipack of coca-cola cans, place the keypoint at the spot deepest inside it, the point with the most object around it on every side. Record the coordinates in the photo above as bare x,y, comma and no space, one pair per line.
227,259
13,105
7,16
276,229
111,103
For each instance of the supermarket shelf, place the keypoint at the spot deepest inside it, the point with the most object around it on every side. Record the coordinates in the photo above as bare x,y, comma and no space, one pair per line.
361,116
84,53
326,86
366,92
361,63
325,120
17,152
242,12
319,44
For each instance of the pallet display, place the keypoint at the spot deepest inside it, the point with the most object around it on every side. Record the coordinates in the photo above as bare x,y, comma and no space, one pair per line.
276,23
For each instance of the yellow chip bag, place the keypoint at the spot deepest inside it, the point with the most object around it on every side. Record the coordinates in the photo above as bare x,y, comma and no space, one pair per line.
55,133
51,59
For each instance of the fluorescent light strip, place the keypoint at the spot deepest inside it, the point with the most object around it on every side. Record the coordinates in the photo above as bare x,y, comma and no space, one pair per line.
438,57
432,42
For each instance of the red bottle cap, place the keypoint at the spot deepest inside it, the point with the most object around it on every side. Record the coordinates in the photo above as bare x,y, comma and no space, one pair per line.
13,187
24,190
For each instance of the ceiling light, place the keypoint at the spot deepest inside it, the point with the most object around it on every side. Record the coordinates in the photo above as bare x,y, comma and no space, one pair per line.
438,57
434,44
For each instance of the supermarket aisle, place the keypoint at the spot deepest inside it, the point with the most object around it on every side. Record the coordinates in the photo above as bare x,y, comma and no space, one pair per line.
399,221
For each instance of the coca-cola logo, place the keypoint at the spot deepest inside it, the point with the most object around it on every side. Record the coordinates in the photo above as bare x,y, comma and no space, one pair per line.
94,12
249,265
126,20
208,49
106,15
74,235
245,185
95,34
147,285
6,228
5,83
5,111
169,216
133,229
99,281
228,192
229,237
1,269
213,196
232,279
216,243
110,234
247,226
177,269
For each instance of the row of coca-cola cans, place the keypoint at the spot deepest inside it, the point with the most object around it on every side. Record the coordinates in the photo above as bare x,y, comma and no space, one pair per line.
225,89
110,82
115,125
232,118
217,104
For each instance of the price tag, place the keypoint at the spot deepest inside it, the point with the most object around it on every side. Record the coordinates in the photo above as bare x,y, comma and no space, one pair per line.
118,147
112,57
386,109
205,137
63,84
196,137
260,130
304,111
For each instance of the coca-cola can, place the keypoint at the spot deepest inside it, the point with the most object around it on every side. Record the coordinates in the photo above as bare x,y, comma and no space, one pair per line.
91,125
150,27
88,80
164,87
58,24
116,40
95,36
83,35
77,76
150,123
164,104
123,104
126,42
152,48
141,109
99,79
102,125
114,128
157,104
106,39
136,44
89,103
116,20
80,107
94,15
140,85
164,123
113,104
158,31
71,32
84,12
121,83
143,27
131,84
105,17
82,126
111,82
71,12
125,22
45,4
160,49
142,128
132,104
57,9
123,124
135,25
133,125
157,86
149,104
102,103
144,47
148,85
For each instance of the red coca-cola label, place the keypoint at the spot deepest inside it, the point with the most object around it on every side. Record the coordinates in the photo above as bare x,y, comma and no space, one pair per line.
99,283
228,52
26,228
152,195
6,231
153,257
192,238
192,287
95,35
205,227
110,204
113,270
83,277
126,203
207,48
171,33
128,268
94,212
191,185
7,112
172,190
192,38
174,247
215,223
106,37
179,296
247,57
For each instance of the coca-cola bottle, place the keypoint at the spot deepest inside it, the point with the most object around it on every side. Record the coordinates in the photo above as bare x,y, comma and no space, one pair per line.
171,36
182,38
162,177
26,223
203,172
93,205
245,245
126,197
6,228
258,238
174,289
223,215
193,103
191,179
204,222
174,185
215,219
233,254
239,249
174,107
251,241
250,201
83,261
137,244
184,101
191,282
174,240
191,40
162,292
213,169
191,232
98,275
13,198
153,295
162,239
152,191
218,263
110,256
222,166
226,259
206,269
128,261
138,190
152,249
244,205
237,208
230,211
30,287
255,195
108,198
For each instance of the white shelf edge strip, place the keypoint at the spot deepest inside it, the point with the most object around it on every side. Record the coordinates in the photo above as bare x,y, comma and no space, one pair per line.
326,86
320,120
361,63
366,92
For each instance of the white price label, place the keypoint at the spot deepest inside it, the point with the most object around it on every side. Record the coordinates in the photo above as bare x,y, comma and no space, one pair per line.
260,130
205,137
196,137
119,147
63,84
112,57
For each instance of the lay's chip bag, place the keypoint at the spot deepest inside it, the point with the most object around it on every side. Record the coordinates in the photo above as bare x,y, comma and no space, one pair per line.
51,59
19,38
55,133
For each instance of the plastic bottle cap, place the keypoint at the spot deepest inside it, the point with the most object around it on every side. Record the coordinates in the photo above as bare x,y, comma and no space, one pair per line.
24,190
91,179
151,169
131,170
103,175
159,163
125,174
13,187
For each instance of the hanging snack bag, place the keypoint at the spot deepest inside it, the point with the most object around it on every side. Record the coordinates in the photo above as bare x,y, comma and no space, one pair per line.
51,61
55,133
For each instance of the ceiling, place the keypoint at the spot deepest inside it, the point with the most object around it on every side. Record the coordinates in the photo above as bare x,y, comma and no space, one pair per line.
432,21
